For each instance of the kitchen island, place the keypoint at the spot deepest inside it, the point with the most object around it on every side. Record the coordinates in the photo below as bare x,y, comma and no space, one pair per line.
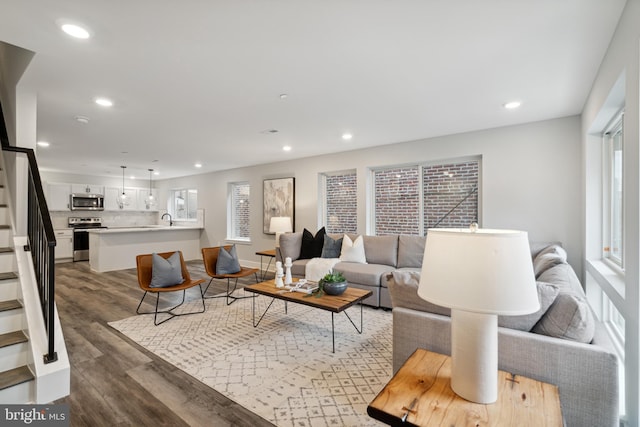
116,248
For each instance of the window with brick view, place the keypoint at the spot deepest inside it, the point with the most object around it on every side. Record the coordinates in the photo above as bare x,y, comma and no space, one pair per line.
450,194
397,201
341,202
239,211
411,199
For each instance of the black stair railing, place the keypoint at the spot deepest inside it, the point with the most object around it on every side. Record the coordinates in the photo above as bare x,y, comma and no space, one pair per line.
41,239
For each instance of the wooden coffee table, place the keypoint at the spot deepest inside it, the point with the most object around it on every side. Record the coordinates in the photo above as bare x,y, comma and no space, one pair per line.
331,303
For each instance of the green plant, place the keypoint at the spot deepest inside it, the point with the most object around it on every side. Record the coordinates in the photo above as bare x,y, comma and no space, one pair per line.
331,277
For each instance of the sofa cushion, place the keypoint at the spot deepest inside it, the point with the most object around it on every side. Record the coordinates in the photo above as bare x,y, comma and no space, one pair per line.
312,245
290,245
353,250
547,258
364,274
563,276
410,251
298,267
332,247
403,288
547,294
381,249
569,317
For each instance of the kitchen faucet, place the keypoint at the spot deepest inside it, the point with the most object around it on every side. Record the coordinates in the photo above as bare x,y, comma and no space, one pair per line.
170,220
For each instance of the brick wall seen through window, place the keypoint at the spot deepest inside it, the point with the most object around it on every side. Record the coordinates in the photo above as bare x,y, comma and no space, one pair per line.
449,195
239,211
341,203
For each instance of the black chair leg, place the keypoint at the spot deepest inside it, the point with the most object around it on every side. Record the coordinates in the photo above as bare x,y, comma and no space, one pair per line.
170,311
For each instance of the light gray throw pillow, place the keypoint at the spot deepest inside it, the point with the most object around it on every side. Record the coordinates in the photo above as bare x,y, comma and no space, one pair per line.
569,317
547,294
165,272
227,261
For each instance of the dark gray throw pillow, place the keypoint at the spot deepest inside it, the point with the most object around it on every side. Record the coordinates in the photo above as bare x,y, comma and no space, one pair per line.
331,247
227,261
312,245
165,272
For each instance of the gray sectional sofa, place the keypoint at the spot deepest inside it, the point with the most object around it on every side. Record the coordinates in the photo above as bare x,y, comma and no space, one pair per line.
561,344
384,254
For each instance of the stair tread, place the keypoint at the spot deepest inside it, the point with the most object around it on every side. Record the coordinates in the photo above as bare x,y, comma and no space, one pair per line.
15,376
8,276
4,226
6,250
10,305
11,338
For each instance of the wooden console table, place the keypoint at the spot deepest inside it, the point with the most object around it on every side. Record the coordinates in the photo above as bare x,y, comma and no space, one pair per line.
419,394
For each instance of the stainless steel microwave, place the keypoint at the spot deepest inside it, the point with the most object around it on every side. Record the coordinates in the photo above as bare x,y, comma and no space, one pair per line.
87,202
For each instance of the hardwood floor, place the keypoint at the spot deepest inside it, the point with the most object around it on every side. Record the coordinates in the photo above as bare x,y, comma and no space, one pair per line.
115,382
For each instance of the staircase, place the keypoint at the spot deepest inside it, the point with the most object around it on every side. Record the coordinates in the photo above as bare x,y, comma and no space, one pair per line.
16,379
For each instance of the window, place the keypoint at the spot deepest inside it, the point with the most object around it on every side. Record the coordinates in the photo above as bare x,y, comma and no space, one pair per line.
397,201
238,211
340,202
183,204
613,203
411,199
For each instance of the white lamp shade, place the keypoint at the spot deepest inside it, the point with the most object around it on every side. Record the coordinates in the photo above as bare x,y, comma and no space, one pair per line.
482,271
280,224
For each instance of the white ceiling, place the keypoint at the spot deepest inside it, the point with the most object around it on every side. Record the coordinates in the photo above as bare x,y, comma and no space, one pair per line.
200,80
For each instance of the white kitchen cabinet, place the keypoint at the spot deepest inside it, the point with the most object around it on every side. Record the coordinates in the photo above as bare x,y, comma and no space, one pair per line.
64,243
87,189
143,194
58,197
112,199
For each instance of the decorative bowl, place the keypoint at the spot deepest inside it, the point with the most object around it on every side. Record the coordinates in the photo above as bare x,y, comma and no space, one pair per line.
334,288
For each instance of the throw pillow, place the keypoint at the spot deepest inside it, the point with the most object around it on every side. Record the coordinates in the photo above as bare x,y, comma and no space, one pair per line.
547,258
165,272
403,288
569,317
353,250
331,247
312,245
227,261
547,294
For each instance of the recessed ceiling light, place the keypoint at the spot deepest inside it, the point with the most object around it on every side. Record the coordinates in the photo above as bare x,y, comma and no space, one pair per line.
75,31
132,177
287,148
347,136
511,105
104,102
156,172
283,96
198,165
82,119
43,144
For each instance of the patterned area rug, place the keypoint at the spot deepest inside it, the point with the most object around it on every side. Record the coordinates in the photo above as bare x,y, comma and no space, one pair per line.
282,370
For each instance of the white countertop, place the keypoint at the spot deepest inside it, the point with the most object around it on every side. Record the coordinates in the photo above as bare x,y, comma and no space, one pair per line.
143,228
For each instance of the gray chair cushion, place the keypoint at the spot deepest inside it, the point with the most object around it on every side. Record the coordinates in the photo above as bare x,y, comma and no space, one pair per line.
410,251
381,249
165,272
227,262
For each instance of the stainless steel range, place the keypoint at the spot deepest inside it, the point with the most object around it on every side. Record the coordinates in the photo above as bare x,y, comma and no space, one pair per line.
81,226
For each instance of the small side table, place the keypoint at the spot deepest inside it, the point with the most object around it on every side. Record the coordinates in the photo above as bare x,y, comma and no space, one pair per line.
420,394
271,253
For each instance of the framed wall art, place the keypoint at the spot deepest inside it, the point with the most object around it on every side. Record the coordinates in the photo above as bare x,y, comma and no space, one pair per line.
279,200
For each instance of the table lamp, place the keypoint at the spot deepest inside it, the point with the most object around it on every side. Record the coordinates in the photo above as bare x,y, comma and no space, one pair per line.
279,225
479,274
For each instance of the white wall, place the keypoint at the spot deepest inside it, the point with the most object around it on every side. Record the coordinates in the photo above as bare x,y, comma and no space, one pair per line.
621,60
530,181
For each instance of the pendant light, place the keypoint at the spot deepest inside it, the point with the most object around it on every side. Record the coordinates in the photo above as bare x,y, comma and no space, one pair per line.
150,200
123,196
